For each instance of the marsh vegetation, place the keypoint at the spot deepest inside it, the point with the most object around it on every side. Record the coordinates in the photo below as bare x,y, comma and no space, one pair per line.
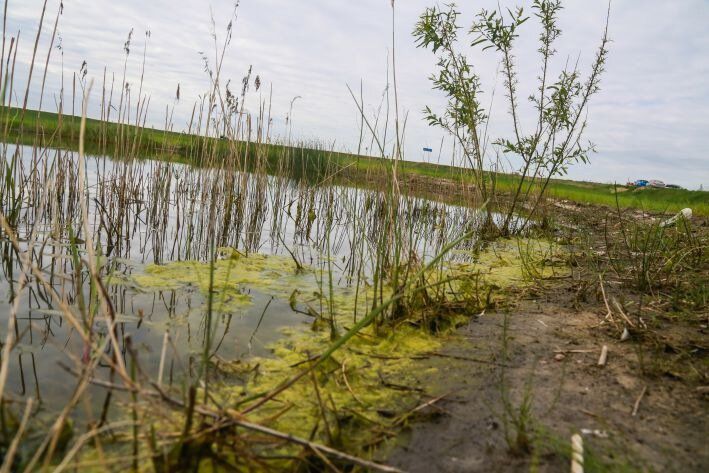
221,298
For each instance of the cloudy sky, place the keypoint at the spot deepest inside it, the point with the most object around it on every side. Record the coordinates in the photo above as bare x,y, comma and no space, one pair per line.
650,120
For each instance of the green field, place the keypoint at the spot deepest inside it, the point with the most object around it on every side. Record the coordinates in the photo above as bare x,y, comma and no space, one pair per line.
128,140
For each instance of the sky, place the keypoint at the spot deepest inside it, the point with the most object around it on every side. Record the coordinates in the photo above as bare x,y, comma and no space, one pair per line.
650,120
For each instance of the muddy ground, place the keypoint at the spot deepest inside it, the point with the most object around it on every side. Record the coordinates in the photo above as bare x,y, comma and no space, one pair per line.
645,410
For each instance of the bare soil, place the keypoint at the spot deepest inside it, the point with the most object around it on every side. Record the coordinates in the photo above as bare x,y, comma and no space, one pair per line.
645,410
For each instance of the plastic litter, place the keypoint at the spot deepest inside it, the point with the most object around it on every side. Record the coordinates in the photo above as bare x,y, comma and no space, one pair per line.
684,213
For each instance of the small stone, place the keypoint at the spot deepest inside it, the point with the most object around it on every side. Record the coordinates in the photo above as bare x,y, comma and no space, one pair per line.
559,357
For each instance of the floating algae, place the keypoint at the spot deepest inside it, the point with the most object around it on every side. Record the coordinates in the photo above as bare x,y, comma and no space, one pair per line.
359,398
371,384
507,263
233,274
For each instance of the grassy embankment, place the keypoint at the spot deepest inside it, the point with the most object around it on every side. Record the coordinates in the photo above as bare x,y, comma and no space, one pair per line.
176,146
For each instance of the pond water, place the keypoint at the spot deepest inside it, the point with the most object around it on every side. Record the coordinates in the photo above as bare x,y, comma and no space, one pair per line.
155,226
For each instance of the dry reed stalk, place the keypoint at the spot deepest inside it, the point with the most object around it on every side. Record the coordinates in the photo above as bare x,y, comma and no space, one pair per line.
81,441
636,406
12,450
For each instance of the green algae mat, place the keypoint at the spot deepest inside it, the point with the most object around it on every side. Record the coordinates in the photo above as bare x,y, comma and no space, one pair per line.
359,397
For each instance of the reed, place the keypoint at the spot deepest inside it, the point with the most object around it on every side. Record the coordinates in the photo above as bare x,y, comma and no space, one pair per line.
80,228
75,223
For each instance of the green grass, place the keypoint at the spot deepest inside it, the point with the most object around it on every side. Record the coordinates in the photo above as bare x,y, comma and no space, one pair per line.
649,199
101,137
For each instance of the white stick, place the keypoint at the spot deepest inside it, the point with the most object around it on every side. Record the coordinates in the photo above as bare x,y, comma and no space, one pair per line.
604,356
576,454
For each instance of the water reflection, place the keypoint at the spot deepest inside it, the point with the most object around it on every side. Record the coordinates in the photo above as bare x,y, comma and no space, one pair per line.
147,212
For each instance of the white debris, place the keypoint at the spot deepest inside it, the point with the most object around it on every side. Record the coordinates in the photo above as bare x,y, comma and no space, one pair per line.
625,335
595,433
684,213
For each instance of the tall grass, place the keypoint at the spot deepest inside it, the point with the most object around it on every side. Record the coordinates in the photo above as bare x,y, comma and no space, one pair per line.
75,224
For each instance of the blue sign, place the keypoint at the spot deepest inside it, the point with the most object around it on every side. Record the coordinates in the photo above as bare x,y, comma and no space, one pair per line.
428,150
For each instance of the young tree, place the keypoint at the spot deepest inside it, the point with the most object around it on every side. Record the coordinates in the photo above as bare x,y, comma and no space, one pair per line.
559,104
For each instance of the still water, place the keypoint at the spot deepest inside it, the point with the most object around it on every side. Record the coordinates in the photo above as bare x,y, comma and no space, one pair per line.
146,214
